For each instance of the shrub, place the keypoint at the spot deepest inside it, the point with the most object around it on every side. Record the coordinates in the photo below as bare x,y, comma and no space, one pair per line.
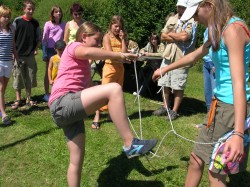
141,17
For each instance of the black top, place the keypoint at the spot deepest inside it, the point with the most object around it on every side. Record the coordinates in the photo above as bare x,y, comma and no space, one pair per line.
27,35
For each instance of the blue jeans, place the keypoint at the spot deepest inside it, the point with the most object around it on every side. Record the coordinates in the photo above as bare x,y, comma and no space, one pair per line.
48,52
209,82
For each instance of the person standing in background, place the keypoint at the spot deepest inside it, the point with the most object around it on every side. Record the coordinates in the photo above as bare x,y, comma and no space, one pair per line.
180,41
76,10
27,39
154,48
7,50
52,32
113,70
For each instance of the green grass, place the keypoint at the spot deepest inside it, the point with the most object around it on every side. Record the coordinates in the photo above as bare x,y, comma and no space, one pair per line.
33,151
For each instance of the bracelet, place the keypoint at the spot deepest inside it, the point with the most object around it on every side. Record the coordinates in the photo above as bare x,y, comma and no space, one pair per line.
238,134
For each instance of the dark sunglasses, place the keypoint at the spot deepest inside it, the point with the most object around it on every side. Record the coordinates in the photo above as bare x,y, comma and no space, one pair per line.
77,13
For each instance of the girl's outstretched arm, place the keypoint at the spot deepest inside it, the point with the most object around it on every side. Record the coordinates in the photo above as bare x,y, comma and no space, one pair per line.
94,53
184,61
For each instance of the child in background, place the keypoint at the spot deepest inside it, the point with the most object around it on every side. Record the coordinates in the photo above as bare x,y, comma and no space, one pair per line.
132,46
27,40
153,48
52,32
113,70
55,61
71,99
7,49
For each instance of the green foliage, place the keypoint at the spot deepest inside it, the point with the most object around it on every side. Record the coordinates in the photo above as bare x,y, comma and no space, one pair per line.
241,9
141,17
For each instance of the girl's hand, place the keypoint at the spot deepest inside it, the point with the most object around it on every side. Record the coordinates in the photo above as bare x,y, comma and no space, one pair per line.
234,149
128,57
213,70
51,82
157,75
121,35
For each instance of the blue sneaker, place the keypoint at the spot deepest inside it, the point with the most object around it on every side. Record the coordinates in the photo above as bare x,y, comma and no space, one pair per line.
140,147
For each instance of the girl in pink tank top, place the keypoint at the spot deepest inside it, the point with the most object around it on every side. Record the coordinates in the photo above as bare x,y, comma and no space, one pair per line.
72,99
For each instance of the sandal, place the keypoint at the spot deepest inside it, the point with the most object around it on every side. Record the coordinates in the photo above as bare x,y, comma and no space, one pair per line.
31,103
6,120
95,125
16,104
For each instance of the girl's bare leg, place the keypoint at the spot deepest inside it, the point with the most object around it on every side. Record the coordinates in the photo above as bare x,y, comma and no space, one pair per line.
46,79
3,85
95,97
76,148
195,171
97,116
217,180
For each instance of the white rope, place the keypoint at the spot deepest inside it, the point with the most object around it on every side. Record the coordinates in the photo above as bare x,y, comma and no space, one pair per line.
171,124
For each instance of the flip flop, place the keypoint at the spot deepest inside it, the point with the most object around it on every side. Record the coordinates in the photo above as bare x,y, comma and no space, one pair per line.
95,125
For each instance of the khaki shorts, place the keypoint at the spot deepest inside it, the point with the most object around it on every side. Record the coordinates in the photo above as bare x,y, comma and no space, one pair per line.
68,113
175,79
223,122
24,74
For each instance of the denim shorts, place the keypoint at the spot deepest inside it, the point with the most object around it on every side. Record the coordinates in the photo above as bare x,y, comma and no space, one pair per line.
68,113
222,123
6,68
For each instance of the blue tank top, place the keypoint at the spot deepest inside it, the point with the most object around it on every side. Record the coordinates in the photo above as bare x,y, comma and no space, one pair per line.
223,89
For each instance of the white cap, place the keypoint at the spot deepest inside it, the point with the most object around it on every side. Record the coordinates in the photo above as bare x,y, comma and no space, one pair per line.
192,6
182,3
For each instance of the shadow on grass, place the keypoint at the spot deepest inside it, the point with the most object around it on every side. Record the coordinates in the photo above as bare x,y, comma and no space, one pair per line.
239,180
41,105
41,133
144,113
116,174
191,106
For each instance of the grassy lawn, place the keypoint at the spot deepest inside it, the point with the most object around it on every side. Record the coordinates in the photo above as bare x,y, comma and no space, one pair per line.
33,151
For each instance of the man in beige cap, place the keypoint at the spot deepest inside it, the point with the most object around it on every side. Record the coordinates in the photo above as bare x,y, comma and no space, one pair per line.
180,37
